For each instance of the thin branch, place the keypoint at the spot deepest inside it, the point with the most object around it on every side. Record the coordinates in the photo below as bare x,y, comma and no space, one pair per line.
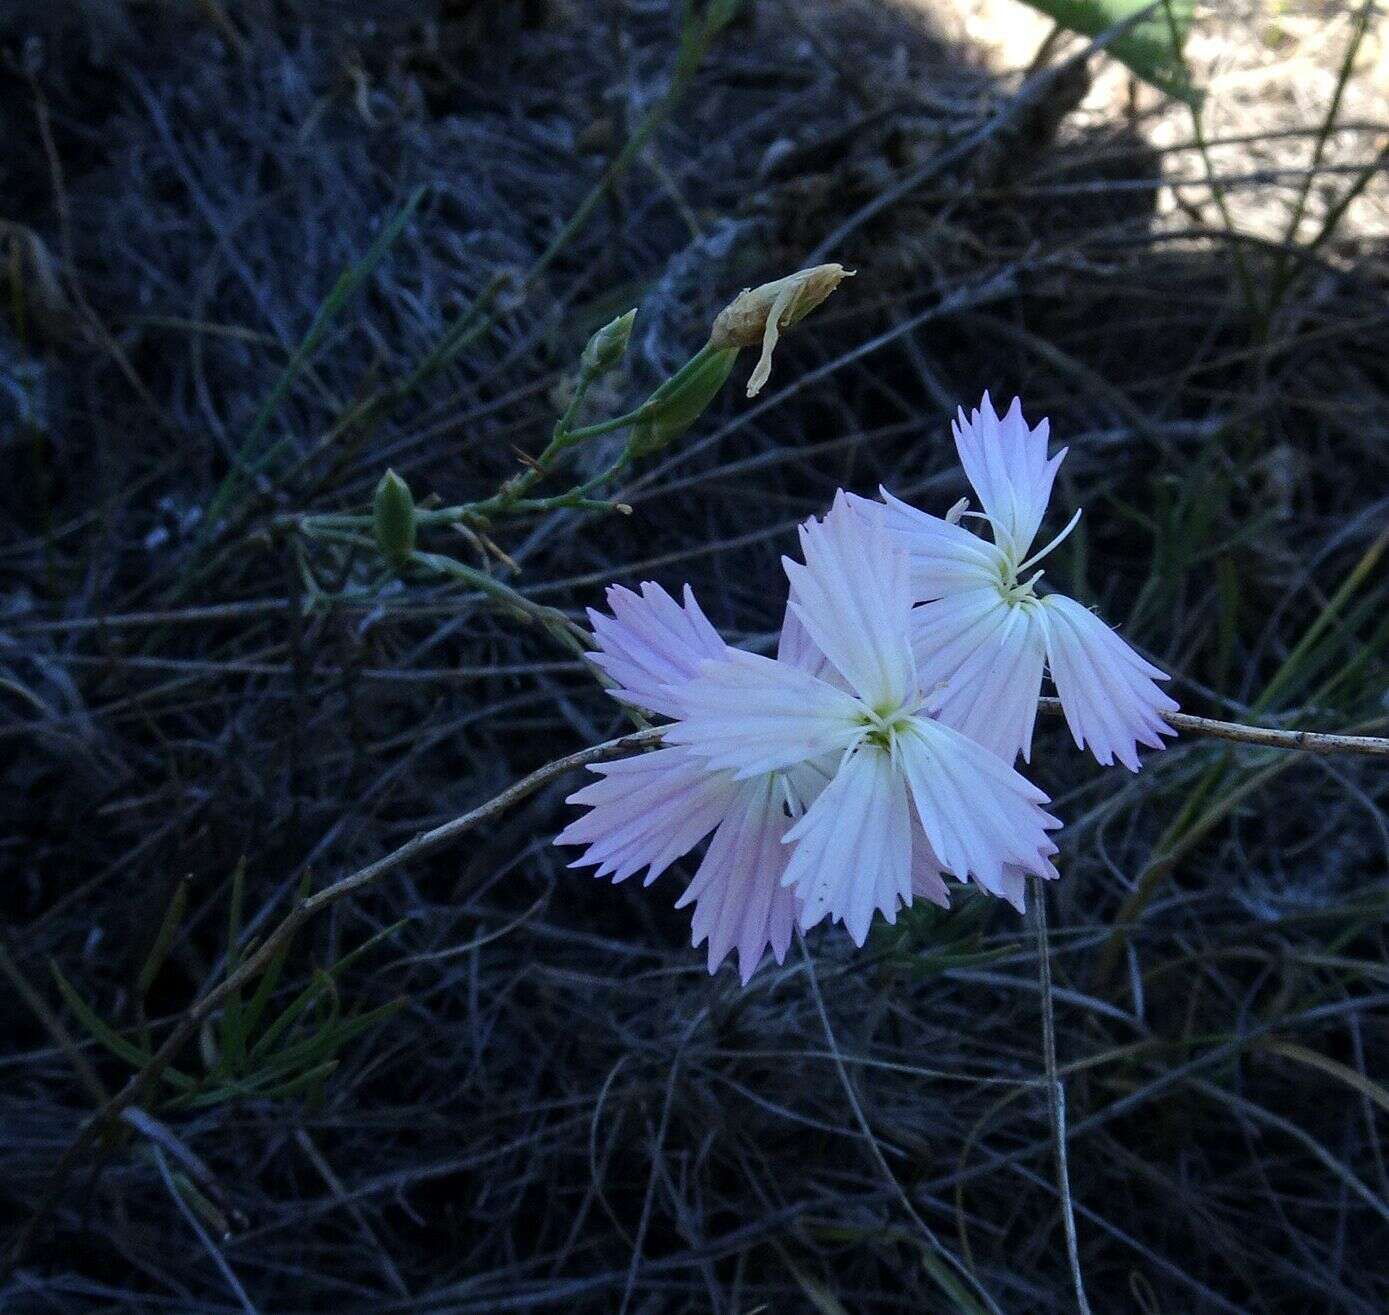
1374,746
426,842
1056,1094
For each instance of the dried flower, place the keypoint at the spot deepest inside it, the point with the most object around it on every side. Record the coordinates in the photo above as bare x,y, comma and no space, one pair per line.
757,315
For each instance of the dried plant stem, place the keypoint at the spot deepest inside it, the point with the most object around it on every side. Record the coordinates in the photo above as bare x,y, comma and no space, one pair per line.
99,1125
1320,742
1056,1095
944,1255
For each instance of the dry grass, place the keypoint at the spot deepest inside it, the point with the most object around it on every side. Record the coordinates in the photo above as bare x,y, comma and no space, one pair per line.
1269,70
567,1112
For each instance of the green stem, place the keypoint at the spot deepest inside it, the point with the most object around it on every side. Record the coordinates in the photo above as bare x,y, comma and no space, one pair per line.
572,635
511,496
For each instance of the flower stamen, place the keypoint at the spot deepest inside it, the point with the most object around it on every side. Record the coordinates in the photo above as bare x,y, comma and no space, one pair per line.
1055,543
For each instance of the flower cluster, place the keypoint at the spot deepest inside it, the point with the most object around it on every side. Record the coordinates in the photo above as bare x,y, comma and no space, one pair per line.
873,756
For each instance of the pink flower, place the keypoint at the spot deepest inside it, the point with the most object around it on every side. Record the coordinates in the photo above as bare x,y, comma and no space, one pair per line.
985,635
649,810
907,795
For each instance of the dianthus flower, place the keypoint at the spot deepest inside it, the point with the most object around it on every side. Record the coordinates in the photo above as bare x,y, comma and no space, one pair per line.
985,634
649,810
895,769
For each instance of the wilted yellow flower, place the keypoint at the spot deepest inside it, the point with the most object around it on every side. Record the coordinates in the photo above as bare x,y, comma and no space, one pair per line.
758,315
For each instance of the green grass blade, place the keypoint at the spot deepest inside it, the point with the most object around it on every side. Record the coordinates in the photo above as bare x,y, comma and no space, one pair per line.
270,978
107,1036
164,938
232,1033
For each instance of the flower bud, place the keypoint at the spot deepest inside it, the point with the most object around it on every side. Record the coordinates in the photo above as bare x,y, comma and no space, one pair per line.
393,519
757,315
606,348
681,400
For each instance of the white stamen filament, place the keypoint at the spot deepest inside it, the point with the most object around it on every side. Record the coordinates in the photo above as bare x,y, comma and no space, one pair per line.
1055,543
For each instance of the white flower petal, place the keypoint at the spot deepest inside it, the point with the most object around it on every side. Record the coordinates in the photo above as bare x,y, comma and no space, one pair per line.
1107,691
977,812
1013,888
928,881
651,643
980,658
1008,466
646,812
1012,883
752,714
804,783
943,558
853,850
739,901
796,648
853,595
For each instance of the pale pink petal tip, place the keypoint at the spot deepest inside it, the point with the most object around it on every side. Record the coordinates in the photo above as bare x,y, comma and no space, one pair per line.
942,556
646,812
652,644
853,596
979,815
853,850
796,648
1007,464
1108,692
981,663
928,876
739,902
751,714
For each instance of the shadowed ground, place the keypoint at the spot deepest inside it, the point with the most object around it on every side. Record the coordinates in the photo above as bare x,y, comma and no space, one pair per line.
566,1111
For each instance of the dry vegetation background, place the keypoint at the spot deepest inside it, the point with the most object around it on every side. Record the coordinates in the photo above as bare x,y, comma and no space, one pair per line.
559,1109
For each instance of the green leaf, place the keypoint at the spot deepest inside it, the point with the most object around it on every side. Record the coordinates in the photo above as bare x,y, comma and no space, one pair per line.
1152,47
266,1042
270,978
254,1089
107,1035
159,951
321,983
324,1043
233,1031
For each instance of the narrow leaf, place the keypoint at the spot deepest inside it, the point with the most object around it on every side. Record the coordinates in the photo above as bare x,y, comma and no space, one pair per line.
1152,47
159,951
104,1033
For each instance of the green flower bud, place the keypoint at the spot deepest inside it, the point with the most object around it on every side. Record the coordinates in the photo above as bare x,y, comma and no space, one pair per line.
681,400
393,511
607,347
